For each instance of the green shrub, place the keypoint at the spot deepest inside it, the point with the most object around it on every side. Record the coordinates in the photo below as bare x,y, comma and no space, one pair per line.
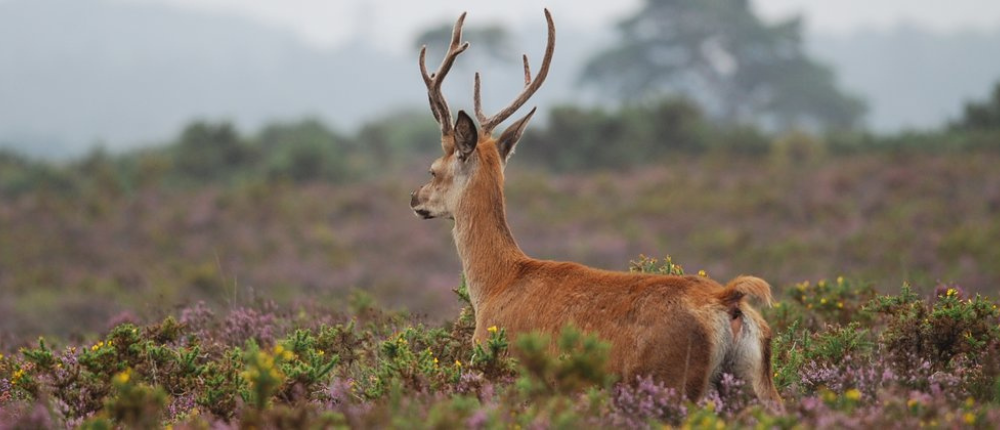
940,330
579,362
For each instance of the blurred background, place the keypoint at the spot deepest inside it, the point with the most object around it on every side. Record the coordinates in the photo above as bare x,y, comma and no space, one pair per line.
158,153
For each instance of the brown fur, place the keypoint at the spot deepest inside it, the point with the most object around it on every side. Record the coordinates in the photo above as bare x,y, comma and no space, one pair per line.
682,330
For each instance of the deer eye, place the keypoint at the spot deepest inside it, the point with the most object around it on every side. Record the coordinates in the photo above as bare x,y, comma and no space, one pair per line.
433,175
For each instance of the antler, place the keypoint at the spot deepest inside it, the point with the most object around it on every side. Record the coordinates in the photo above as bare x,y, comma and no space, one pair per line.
439,106
489,123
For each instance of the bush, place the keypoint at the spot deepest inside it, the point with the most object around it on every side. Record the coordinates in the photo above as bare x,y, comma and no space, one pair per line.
890,360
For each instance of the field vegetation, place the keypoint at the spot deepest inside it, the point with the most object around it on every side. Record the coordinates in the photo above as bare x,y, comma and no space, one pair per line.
278,279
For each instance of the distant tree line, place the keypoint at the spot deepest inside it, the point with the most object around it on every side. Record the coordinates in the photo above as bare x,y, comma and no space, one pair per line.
572,138
206,153
984,115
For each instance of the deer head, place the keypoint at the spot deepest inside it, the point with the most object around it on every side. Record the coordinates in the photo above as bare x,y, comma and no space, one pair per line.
468,150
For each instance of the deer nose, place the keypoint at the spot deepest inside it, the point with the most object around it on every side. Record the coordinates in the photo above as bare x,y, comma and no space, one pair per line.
413,200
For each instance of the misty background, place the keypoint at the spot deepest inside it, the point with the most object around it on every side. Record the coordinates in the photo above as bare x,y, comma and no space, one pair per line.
75,74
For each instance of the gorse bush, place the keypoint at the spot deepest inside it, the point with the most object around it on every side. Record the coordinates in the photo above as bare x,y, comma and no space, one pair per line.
843,356
951,327
579,364
652,265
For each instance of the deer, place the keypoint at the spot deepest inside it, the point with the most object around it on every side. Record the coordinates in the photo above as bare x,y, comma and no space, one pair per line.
684,331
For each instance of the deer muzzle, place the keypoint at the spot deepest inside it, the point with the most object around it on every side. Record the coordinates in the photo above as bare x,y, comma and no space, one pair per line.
415,203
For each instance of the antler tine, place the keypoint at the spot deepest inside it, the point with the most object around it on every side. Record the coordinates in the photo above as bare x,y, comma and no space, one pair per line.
439,105
527,71
477,101
530,86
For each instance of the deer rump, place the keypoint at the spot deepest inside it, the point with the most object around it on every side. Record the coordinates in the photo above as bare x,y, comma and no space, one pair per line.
684,331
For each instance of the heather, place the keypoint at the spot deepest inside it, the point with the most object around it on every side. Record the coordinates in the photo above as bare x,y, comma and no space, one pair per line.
844,356
73,261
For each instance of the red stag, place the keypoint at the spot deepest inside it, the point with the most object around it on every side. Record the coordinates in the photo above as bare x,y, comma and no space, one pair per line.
682,330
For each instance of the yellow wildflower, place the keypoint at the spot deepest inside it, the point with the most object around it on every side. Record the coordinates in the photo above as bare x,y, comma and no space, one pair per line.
969,418
951,292
912,402
840,279
123,377
840,305
18,374
492,329
702,273
822,301
853,394
458,363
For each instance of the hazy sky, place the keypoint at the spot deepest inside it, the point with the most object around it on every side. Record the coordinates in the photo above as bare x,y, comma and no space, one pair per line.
393,23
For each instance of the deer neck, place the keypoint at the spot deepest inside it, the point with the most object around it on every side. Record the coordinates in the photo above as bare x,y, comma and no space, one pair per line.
485,244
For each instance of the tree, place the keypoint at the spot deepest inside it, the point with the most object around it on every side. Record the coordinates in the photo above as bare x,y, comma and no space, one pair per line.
981,115
304,151
207,151
719,53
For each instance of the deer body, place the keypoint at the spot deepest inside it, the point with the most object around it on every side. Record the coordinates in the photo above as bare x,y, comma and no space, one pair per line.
682,330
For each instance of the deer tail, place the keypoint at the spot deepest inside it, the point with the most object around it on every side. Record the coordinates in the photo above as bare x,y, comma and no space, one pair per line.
744,286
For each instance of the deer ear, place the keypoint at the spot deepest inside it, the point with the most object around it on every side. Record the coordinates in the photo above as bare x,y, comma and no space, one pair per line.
510,136
466,135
